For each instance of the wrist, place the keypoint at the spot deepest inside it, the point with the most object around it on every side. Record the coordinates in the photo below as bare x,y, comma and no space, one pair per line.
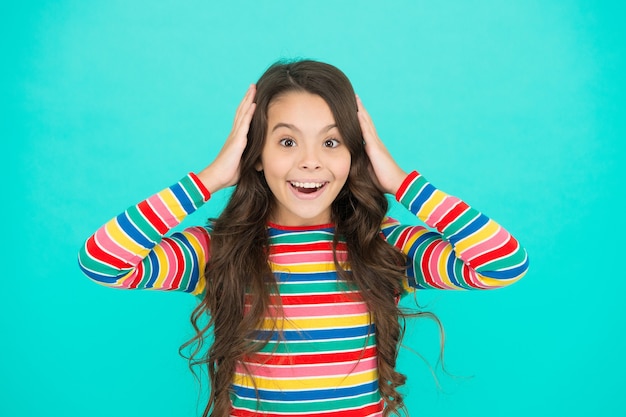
396,181
408,179
209,180
206,194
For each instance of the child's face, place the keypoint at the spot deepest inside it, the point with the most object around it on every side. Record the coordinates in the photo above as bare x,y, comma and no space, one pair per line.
304,159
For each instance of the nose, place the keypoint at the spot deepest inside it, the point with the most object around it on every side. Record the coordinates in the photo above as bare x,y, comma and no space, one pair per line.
309,159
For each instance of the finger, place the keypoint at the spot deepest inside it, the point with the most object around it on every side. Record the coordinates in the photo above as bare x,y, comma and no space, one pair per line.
361,109
244,105
362,112
246,98
244,127
367,126
245,110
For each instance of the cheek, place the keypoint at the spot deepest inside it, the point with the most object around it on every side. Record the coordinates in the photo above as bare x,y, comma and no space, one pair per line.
344,164
266,160
347,170
275,168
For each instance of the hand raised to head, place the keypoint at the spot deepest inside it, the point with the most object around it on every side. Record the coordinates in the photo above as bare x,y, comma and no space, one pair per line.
387,173
224,170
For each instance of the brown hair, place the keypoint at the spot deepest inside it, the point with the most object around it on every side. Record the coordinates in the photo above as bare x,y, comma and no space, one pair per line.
239,263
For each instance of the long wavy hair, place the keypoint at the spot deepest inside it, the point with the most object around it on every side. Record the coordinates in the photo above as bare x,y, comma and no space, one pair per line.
239,245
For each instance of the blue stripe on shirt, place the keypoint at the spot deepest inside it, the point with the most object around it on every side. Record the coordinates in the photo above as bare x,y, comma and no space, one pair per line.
183,198
307,335
133,232
301,395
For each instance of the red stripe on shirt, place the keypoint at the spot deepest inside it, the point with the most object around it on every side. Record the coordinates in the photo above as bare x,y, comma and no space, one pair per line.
310,247
101,256
316,299
358,412
424,265
278,359
148,212
452,215
405,184
137,276
505,250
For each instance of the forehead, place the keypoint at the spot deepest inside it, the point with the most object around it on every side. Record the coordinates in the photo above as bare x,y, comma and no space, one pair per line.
299,105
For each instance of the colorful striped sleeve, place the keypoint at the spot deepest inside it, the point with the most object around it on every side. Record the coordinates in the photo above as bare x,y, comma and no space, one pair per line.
468,249
131,252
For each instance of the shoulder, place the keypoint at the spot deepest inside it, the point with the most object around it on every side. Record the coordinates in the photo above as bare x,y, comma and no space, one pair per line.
389,222
201,234
388,225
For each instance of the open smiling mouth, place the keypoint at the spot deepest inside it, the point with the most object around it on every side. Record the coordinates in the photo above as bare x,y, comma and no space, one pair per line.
307,187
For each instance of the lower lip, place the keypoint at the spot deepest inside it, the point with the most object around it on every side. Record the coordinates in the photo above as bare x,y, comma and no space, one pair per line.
307,196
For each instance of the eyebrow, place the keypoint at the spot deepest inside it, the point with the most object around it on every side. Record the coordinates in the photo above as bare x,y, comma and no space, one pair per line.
293,127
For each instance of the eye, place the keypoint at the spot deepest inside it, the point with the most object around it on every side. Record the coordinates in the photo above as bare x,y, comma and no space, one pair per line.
287,142
331,143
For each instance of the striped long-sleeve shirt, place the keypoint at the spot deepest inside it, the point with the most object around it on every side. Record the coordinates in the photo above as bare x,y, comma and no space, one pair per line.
324,361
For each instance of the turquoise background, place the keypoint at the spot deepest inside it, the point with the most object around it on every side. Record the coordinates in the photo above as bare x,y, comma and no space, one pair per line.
518,107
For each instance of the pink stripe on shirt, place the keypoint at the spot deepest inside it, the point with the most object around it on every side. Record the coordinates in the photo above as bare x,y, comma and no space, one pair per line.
434,262
163,211
442,209
296,258
309,371
172,264
105,242
497,240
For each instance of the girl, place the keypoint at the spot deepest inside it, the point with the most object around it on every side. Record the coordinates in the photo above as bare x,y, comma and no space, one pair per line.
300,275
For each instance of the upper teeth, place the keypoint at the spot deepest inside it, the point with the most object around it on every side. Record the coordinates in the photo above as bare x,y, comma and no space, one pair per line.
307,184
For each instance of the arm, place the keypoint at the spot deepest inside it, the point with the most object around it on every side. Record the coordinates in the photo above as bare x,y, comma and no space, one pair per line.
131,250
467,251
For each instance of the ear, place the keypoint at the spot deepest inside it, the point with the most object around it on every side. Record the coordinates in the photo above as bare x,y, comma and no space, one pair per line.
258,165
